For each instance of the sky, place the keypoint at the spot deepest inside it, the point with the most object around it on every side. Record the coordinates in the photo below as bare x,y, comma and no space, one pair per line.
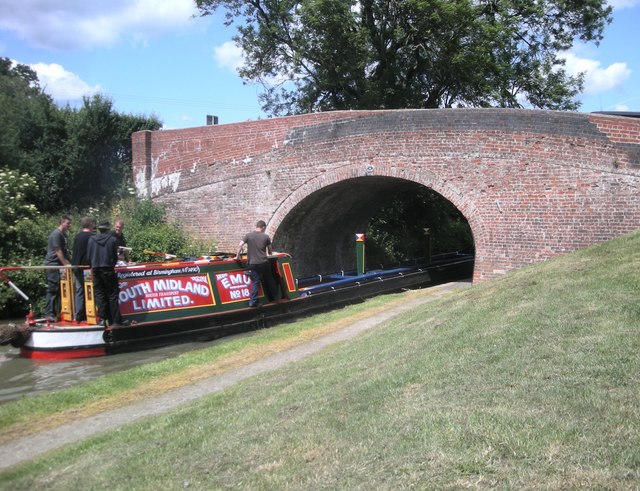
159,58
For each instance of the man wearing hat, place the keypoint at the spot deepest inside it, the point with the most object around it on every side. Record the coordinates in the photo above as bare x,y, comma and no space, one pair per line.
102,251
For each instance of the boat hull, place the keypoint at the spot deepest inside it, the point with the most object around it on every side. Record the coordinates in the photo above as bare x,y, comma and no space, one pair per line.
66,340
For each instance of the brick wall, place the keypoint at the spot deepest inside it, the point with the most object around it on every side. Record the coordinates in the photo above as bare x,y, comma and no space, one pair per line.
533,184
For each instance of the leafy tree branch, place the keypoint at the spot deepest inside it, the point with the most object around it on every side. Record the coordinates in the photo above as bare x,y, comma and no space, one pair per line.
316,55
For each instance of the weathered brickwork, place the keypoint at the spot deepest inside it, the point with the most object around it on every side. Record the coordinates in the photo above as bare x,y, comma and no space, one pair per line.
533,184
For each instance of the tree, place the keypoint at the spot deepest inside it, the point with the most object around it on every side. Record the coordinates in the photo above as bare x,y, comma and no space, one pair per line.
314,55
27,116
97,153
397,231
79,157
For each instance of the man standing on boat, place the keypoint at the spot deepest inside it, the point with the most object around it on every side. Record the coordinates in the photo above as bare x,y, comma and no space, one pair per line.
102,250
79,257
258,248
123,252
57,255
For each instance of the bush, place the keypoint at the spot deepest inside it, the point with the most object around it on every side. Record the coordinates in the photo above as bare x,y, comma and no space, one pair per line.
28,246
146,228
16,192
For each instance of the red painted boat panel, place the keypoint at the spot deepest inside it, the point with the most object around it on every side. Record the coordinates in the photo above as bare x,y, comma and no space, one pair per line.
63,354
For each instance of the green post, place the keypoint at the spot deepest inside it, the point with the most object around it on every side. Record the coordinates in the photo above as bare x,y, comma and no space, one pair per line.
360,253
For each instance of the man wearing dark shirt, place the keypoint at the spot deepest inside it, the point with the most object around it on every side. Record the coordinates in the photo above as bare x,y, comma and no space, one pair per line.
102,251
79,258
57,255
258,247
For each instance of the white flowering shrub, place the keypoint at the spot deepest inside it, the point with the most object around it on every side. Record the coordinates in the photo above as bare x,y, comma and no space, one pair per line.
19,220
16,192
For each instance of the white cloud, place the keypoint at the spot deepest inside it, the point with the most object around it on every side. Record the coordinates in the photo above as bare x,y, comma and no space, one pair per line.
62,85
79,24
598,79
228,55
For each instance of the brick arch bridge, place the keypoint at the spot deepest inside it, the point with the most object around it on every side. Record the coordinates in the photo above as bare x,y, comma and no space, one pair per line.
532,184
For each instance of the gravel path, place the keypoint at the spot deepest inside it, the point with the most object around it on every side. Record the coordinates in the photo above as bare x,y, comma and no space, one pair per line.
33,446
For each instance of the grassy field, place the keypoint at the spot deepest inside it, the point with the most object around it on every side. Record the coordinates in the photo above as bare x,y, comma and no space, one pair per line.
526,382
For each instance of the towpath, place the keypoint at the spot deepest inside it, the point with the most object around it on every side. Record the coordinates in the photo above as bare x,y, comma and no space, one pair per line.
35,445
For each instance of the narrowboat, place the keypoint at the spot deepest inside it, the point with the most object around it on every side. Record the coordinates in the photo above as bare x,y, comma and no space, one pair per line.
206,298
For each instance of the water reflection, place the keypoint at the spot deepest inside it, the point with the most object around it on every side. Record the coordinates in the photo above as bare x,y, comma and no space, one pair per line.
20,377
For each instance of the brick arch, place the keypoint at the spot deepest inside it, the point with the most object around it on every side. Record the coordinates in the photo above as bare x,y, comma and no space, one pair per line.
532,184
306,243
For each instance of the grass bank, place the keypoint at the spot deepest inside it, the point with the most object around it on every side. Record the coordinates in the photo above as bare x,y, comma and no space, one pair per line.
31,414
526,382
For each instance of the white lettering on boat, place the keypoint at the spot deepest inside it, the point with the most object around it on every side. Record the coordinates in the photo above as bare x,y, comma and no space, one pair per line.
165,293
134,291
232,281
234,286
170,284
161,303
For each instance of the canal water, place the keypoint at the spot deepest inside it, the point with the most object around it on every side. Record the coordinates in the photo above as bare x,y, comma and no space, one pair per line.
20,377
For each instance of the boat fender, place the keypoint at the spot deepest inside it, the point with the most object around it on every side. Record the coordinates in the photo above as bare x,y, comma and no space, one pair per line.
107,336
19,340
14,335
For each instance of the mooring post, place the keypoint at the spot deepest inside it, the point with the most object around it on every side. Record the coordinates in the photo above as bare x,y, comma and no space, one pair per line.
360,253
427,232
